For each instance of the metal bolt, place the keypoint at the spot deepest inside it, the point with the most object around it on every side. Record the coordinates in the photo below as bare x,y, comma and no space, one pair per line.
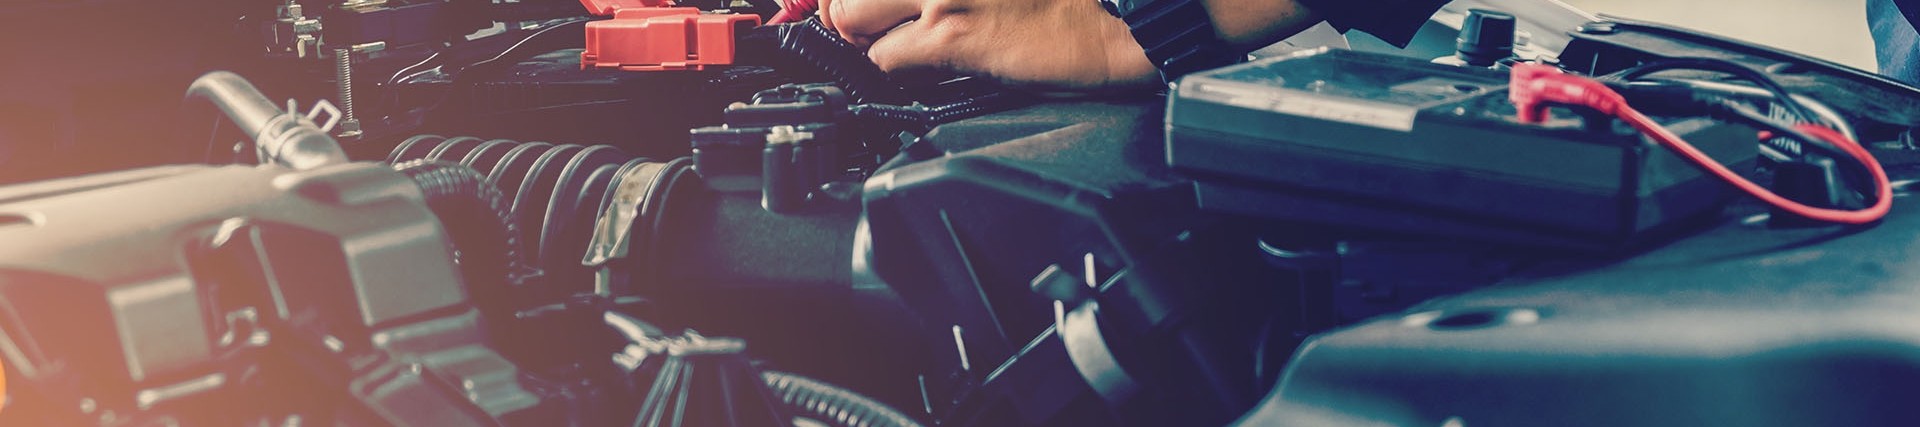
349,126
1598,28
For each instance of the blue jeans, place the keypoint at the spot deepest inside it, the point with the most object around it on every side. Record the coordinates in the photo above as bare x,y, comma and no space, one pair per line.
1896,44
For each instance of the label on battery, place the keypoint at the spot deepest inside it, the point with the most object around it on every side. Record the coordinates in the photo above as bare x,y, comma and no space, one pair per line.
1295,103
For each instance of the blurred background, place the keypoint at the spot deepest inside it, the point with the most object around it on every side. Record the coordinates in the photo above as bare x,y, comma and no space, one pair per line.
1835,30
93,85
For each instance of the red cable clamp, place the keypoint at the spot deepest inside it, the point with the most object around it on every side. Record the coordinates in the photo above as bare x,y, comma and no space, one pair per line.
1534,87
653,35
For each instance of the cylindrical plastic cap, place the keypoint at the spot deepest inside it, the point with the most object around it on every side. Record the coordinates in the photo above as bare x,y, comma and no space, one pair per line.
1486,37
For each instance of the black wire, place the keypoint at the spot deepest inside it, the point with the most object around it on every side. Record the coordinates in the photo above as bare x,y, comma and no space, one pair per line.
1780,93
1854,173
1734,111
410,69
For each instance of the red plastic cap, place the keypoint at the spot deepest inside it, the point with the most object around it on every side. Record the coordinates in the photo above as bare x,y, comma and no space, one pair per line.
663,38
607,7
1534,87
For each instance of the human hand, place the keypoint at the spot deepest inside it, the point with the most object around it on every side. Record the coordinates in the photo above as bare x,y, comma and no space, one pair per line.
1071,44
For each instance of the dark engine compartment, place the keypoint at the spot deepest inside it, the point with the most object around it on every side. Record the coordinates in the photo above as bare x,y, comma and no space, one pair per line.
509,238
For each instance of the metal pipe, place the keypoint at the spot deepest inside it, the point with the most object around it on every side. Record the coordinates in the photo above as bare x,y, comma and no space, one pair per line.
240,100
281,137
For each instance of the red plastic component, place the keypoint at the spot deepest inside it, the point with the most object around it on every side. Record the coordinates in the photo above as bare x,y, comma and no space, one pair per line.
652,35
1534,87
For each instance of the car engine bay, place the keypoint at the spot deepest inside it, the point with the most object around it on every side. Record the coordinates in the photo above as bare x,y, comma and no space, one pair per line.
489,213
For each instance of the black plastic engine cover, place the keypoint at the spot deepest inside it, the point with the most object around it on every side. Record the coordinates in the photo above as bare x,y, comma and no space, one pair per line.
1083,188
1740,325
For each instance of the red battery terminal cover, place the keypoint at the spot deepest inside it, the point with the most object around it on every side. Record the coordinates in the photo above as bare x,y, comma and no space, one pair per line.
654,35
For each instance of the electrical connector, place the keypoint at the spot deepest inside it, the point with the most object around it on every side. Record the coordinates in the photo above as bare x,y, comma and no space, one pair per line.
653,35
1534,87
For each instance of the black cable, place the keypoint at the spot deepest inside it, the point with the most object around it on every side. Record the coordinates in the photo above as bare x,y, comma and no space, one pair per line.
1780,93
820,48
411,69
927,117
1853,174
1680,99
1723,109
1735,112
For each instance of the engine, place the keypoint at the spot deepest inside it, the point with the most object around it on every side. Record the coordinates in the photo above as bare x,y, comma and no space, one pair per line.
508,214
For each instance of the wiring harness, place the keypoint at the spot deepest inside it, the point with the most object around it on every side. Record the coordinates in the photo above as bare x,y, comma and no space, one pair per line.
1535,87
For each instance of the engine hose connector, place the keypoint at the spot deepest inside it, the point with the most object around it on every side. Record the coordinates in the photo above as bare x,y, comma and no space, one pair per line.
281,137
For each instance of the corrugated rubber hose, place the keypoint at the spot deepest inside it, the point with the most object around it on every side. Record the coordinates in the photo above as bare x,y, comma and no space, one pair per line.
825,402
925,118
479,222
823,49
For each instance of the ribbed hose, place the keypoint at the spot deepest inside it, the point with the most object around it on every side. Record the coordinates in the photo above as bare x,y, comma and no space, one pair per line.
819,47
927,118
647,240
825,402
970,107
477,219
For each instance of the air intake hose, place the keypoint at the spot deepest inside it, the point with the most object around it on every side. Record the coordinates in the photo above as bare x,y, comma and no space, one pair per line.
825,402
480,224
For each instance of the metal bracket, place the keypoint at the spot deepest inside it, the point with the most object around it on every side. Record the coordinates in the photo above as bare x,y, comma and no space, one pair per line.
1079,330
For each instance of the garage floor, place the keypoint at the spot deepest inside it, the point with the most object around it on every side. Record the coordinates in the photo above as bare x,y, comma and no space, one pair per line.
1835,30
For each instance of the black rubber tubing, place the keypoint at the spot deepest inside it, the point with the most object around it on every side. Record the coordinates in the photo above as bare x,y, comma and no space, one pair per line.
825,402
478,223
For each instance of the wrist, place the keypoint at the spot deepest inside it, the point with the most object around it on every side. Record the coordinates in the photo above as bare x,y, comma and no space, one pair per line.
1126,60
1252,24
1177,36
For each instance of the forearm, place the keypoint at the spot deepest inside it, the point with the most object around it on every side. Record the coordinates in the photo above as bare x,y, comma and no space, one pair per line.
1255,23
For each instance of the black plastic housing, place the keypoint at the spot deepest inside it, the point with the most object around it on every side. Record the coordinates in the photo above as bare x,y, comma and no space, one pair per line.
1387,143
1083,188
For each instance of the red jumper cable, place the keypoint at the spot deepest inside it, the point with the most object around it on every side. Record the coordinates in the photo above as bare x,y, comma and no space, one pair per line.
1536,86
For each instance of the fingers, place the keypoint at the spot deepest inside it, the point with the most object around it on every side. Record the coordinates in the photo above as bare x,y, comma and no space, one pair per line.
863,21
923,44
